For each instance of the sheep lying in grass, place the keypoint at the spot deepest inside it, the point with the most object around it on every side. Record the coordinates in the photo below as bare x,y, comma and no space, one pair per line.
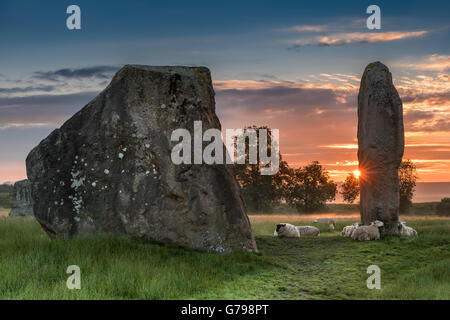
406,231
348,230
327,221
370,232
286,230
308,231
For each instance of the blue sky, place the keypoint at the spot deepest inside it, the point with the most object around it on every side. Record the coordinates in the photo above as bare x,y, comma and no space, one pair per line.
224,35
309,48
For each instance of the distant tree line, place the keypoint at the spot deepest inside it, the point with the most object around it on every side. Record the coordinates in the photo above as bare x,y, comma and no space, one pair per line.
6,188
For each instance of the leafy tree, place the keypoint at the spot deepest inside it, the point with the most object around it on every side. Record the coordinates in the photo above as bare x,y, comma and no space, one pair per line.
407,181
261,192
310,188
350,188
443,208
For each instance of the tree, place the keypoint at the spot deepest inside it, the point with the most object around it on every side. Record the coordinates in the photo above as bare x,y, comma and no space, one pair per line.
350,188
310,188
407,182
261,192
443,208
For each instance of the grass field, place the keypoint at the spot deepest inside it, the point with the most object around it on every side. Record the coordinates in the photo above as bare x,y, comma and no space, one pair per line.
329,267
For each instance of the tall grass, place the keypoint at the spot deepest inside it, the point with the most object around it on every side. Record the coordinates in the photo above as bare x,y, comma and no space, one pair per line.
32,266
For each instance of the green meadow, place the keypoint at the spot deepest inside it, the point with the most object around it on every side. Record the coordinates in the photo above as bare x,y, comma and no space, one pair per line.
33,266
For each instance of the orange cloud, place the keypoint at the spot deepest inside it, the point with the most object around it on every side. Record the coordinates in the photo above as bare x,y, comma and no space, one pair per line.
341,39
306,28
434,62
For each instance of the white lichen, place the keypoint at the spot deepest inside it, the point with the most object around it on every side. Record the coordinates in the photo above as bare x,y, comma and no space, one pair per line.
76,181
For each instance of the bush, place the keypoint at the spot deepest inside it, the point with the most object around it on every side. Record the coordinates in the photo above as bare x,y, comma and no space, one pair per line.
443,208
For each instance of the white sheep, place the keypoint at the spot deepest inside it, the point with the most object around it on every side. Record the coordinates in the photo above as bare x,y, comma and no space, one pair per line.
286,230
370,232
327,221
308,231
348,230
406,231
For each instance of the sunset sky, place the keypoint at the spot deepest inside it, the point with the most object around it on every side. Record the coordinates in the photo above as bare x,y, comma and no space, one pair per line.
292,65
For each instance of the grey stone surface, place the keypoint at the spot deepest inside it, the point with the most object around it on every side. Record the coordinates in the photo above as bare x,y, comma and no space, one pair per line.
380,147
108,169
21,201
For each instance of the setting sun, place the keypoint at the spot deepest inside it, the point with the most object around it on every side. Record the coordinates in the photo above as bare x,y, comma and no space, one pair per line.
356,173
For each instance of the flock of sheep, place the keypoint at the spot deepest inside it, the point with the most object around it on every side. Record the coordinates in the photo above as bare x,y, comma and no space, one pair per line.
355,231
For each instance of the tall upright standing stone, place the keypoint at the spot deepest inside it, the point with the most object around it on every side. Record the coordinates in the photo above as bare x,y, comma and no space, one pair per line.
20,198
108,169
380,147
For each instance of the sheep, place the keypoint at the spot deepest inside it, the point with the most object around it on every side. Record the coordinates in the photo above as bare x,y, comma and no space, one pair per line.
406,231
328,221
286,230
370,232
308,231
348,230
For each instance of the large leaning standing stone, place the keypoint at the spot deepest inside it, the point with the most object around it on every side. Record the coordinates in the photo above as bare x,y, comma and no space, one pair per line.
20,198
108,169
380,147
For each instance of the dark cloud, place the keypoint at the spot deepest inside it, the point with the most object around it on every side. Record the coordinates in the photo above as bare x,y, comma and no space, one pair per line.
27,89
432,98
434,125
297,47
417,115
100,72
42,108
281,98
